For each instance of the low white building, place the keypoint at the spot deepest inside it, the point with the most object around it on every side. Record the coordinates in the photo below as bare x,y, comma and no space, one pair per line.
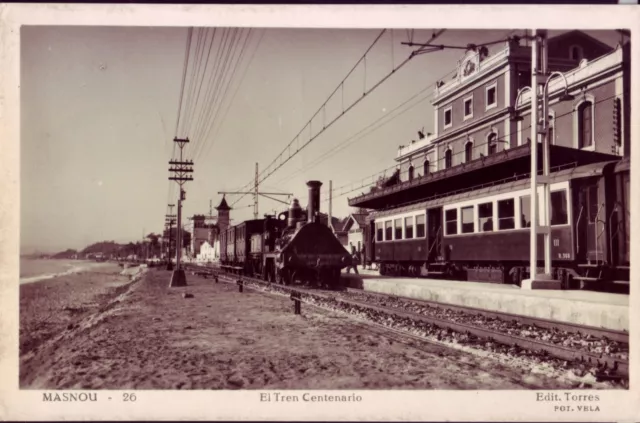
209,253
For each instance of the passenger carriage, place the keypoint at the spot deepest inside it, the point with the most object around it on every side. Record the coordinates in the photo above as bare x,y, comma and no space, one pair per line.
482,234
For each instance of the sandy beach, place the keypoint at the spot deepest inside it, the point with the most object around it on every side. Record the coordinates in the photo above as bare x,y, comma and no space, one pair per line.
97,330
51,306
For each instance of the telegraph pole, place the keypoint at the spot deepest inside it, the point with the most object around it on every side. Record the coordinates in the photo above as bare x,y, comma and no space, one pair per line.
170,220
182,170
256,193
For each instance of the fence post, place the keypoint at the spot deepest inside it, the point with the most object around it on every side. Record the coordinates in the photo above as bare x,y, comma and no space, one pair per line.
215,277
297,304
240,285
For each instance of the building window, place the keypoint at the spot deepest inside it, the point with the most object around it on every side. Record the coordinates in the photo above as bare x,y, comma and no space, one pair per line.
485,217
492,143
420,226
448,159
388,231
466,219
576,52
506,214
448,117
426,167
408,227
411,173
559,214
491,96
379,231
468,151
468,107
585,124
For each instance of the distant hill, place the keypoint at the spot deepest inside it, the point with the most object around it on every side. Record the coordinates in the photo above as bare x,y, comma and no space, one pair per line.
65,254
104,247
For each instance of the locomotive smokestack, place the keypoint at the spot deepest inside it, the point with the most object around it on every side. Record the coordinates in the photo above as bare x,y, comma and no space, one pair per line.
313,208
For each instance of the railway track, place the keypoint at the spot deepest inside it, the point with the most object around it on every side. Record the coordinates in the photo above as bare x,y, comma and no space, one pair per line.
474,326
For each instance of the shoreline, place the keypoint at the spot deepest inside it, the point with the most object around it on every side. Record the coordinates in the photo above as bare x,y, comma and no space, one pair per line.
51,307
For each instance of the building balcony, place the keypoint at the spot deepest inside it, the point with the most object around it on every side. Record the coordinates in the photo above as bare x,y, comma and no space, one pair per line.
486,169
406,150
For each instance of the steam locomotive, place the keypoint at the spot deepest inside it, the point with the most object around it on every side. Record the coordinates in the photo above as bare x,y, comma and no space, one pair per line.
295,247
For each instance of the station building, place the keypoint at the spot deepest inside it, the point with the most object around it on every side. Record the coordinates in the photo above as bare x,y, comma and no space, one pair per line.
480,140
477,122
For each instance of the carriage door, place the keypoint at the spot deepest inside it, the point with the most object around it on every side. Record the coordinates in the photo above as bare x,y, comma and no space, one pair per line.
590,226
434,233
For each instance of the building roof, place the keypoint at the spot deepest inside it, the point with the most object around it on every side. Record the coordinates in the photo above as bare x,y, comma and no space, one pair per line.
223,205
486,169
583,35
359,218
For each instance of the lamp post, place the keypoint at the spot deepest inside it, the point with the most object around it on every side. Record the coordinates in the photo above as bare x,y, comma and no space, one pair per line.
540,129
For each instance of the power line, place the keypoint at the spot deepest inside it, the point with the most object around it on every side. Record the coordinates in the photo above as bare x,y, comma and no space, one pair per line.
232,62
326,126
340,147
184,76
207,148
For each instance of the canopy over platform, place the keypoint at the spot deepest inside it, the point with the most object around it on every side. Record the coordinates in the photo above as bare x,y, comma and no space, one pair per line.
502,165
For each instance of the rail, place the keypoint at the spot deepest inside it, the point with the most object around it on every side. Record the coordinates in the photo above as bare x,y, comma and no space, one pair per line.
619,366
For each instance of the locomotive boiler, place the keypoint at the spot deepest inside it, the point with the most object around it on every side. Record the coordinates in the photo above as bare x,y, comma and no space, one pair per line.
295,247
308,251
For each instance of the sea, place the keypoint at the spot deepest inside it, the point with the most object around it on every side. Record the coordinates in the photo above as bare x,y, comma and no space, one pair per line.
35,270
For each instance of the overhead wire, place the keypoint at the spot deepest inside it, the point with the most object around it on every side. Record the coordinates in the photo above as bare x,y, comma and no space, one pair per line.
326,126
215,123
523,130
231,61
340,147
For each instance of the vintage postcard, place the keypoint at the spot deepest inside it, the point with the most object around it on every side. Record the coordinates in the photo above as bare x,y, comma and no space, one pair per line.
319,213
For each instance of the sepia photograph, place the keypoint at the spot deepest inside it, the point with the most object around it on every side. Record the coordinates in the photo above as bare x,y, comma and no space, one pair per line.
311,215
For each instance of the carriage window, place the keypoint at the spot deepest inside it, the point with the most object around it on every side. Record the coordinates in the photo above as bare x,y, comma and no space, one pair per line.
388,231
485,217
525,211
398,228
408,227
467,219
559,208
451,217
420,226
506,213
379,231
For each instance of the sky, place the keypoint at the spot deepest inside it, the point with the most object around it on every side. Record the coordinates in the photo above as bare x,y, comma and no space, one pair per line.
100,108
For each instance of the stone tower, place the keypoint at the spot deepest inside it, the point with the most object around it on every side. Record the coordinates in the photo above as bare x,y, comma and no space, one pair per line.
223,215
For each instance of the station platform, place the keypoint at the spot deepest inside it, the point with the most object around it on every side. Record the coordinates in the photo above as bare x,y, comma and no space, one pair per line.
597,309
